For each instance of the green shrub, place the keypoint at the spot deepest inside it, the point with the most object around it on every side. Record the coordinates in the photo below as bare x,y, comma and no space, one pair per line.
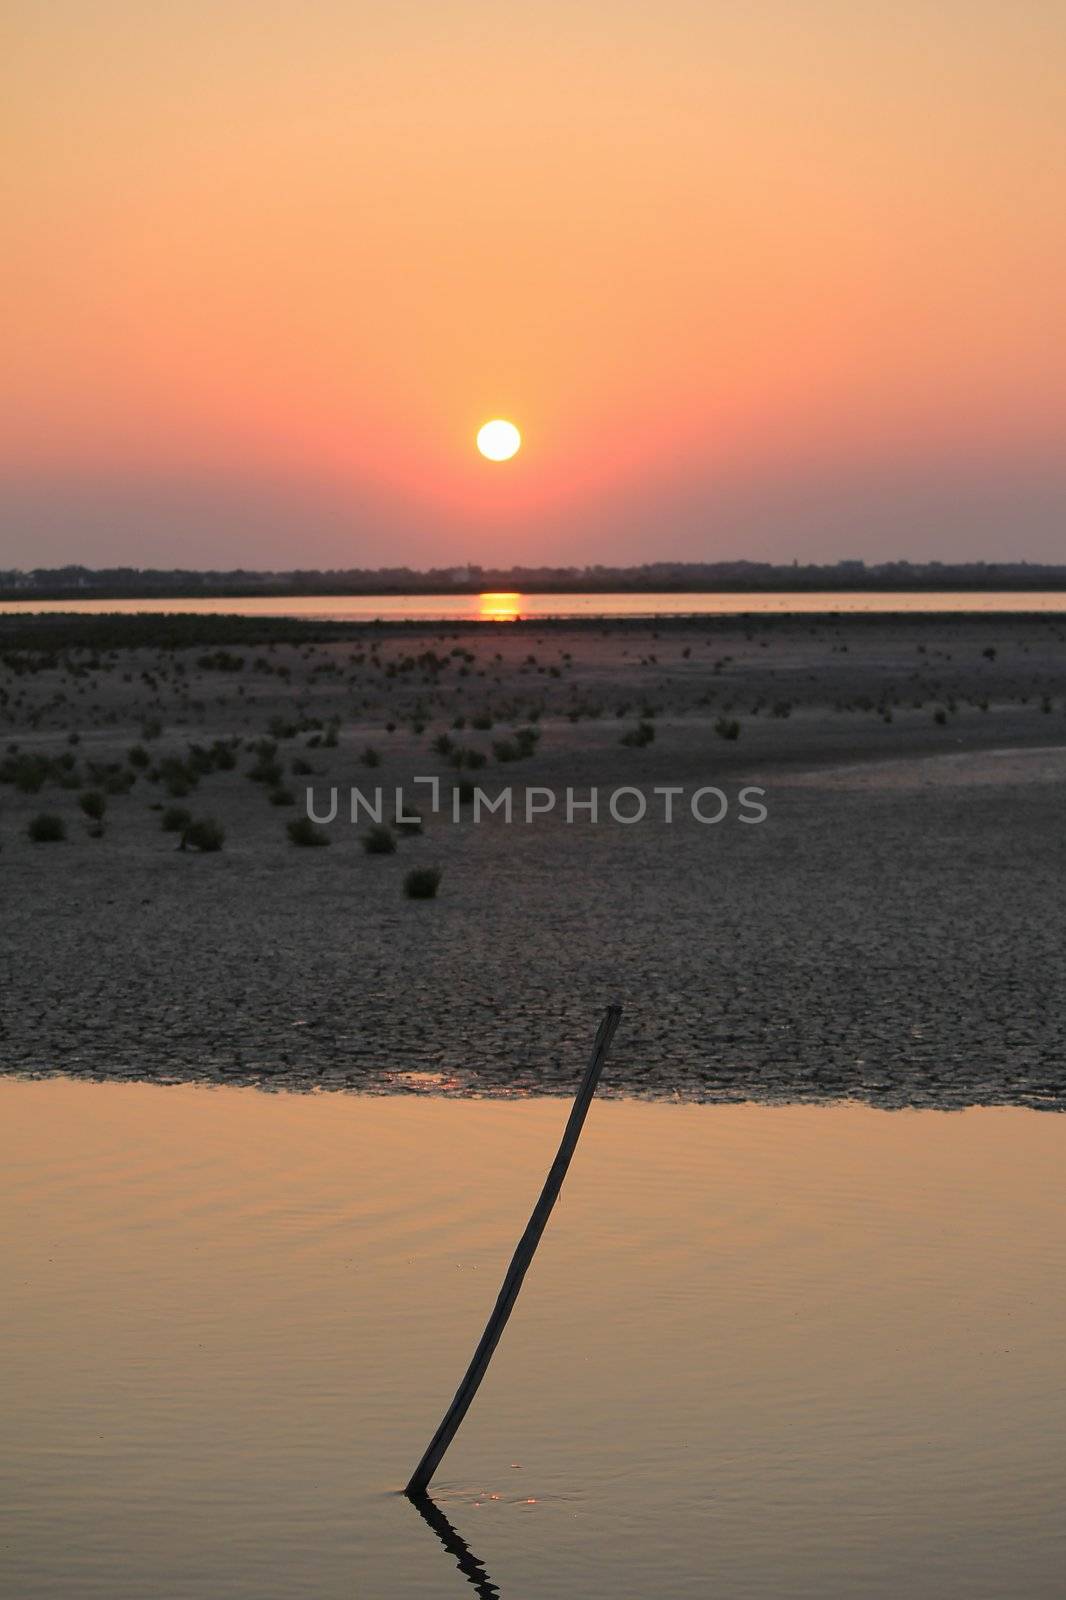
304,832
221,661
138,756
266,771
93,803
199,760
27,772
175,819
45,828
378,841
205,834
281,796
727,728
422,883
223,756
177,778
638,737
301,768
370,757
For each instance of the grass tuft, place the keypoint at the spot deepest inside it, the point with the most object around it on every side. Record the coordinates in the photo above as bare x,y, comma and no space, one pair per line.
205,835
305,833
46,828
422,883
378,840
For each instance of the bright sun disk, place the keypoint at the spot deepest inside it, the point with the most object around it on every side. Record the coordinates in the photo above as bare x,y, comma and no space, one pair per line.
498,440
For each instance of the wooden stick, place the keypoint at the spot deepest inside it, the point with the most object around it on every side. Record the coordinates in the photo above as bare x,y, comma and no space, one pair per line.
519,1263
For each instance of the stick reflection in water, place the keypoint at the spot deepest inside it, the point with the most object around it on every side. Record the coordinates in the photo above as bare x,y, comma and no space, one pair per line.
465,1559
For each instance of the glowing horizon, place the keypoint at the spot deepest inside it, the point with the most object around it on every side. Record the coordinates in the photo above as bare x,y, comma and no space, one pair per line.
757,284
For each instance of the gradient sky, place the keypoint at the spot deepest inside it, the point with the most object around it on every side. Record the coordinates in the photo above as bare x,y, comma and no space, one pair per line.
777,280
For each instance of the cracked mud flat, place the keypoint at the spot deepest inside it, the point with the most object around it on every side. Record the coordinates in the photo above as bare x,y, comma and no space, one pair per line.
892,933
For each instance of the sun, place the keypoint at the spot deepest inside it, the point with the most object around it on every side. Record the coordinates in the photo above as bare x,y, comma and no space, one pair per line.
498,440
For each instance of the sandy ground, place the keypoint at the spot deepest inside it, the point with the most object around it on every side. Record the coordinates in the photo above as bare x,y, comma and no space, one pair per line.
893,931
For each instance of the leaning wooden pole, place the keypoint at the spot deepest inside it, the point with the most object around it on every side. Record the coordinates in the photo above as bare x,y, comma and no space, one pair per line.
519,1263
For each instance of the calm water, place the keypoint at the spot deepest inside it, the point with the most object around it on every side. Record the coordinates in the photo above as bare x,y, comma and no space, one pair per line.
508,607
762,1352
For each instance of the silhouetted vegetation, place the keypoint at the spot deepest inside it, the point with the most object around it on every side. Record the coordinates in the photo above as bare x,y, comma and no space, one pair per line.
378,840
205,835
46,828
305,833
422,883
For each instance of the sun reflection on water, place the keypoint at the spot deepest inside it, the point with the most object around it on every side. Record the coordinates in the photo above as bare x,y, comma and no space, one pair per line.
498,607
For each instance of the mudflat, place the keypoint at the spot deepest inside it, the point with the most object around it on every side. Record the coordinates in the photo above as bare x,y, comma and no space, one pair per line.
892,930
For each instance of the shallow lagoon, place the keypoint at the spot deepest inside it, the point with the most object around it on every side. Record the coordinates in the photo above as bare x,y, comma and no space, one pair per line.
813,1351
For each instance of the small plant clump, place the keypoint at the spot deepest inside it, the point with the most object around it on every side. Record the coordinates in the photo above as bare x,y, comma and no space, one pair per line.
302,831
265,769
473,760
175,819
378,840
94,804
422,883
636,738
205,835
46,828
727,728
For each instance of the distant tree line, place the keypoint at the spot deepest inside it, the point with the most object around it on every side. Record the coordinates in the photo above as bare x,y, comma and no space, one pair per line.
679,577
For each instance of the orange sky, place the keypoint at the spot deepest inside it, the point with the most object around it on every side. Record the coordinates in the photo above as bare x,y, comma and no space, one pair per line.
772,281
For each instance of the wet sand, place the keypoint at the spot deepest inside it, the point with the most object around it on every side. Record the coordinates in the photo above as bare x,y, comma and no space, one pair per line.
892,932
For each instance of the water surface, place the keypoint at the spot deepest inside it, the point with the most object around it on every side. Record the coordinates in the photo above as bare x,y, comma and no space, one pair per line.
763,1350
510,607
